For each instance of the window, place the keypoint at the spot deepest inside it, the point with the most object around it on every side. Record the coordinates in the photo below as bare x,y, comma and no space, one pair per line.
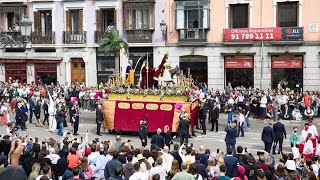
46,21
139,19
239,16
108,18
74,21
288,14
193,17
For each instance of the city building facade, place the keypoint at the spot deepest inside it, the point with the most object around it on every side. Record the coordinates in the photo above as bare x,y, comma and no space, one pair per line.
254,43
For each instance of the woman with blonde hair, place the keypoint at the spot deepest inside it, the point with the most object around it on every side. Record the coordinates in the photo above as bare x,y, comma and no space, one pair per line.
35,171
87,171
174,169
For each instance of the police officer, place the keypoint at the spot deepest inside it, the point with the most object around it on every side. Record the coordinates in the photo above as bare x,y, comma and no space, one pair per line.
143,132
74,115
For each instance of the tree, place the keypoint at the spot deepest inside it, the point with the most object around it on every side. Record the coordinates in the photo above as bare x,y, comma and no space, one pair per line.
113,43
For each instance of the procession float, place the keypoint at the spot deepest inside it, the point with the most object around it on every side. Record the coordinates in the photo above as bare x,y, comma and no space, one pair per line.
159,96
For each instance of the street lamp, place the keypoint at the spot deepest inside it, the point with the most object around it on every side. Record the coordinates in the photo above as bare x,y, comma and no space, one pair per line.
163,27
25,27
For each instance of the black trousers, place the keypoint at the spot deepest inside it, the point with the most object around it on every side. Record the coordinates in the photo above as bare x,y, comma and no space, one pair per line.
76,126
280,141
240,129
267,147
214,123
184,138
46,116
233,146
23,123
145,142
31,115
203,125
98,128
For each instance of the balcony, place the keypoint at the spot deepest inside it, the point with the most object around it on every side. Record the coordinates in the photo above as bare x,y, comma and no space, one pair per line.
74,37
43,37
98,35
139,36
15,36
193,36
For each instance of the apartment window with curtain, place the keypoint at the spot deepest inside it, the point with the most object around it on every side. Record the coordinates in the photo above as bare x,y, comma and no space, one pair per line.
287,14
193,17
108,18
139,19
46,21
239,16
74,21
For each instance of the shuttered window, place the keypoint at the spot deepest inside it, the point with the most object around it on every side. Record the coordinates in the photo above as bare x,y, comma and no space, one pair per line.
139,19
74,20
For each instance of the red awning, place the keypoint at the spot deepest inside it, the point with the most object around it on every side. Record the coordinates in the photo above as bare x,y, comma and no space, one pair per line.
31,60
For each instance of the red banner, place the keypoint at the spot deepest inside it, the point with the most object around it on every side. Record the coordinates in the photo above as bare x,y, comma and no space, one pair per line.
254,34
238,63
286,63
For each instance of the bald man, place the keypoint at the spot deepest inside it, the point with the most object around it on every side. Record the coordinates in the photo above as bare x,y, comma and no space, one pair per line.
157,140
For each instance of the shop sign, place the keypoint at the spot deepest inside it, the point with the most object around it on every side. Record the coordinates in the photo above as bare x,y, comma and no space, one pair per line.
45,67
237,63
263,34
286,63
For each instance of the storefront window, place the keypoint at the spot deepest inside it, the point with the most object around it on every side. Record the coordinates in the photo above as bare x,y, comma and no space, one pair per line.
105,67
287,71
47,77
239,71
197,67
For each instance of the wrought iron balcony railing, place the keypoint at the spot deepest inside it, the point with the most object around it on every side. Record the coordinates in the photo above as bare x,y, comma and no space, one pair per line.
43,37
74,37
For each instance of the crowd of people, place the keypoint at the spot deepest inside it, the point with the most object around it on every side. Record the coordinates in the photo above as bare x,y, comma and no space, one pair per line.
74,157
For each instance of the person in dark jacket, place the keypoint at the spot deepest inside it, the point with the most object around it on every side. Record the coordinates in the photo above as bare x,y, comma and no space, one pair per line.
157,141
167,136
175,154
231,164
143,132
37,111
279,132
62,164
99,119
109,170
20,116
68,174
231,136
128,168
202,118
183,129
45,112
32,105
59,119
214,117
201,168
250,167
267,137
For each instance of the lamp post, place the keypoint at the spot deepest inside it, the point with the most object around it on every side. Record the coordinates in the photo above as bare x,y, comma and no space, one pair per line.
25,27
163,27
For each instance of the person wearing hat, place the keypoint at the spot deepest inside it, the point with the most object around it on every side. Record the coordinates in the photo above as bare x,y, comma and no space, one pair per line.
143,132
75,117
241,174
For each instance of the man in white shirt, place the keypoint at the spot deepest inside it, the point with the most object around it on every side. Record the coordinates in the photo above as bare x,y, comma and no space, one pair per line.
314,134
263,105
188,159
100,165
167,158
241,120
159,169
92,158
138,175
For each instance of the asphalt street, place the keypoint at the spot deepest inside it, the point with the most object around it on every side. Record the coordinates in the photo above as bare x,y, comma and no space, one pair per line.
212,140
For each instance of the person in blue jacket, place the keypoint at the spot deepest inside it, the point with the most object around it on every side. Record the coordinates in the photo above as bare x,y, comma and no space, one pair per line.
231,136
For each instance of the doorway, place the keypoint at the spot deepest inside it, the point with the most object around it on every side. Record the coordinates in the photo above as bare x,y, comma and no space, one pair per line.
78,71
197,66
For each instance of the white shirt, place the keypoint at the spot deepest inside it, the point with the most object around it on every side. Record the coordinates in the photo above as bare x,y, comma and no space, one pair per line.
139,176
263,102
185,158
303,136
167,161
100,165
241,119
53,158
308,147
313,130
93,157
161,170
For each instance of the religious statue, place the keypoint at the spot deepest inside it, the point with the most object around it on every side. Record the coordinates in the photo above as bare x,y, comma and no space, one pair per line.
146,76
160,70
129,73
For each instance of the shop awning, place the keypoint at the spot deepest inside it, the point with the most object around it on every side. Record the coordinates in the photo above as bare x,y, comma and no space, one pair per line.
238,54
29,60
288,53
